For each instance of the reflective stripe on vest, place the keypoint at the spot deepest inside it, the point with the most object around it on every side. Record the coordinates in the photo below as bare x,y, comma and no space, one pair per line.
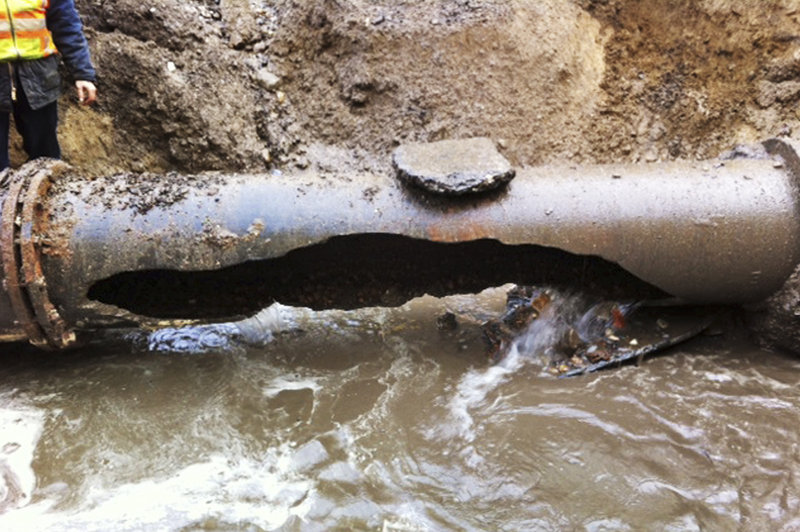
23,30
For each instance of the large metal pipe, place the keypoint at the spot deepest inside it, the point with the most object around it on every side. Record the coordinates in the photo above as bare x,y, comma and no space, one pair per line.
720,231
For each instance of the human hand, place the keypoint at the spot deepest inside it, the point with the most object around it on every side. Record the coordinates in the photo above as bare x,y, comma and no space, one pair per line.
87,92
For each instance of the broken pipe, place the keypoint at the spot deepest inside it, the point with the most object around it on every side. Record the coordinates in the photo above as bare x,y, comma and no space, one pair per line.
129,250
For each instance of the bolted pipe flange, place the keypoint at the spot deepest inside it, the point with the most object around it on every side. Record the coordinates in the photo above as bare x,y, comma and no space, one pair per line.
20,255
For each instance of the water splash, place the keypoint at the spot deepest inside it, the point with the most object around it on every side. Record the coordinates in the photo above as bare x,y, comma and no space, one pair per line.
566,318
543,336
531,348
254,331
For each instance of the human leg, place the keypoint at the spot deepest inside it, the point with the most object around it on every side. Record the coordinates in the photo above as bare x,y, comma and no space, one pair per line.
4,124
38,128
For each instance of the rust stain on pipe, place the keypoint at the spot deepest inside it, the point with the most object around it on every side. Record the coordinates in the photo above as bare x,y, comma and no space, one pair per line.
24,284
708,232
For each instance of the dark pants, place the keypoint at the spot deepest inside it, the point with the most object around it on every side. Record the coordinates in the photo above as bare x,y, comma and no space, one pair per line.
38,130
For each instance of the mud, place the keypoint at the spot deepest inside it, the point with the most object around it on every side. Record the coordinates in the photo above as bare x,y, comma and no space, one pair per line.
200,85
142,192
453,167
776,322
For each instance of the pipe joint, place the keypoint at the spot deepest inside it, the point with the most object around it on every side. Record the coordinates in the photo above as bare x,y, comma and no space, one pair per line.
30,310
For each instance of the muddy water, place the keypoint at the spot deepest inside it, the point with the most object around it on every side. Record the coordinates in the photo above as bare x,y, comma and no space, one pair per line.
378,420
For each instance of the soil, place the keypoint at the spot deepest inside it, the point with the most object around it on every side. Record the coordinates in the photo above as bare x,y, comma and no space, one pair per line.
235,85
776,321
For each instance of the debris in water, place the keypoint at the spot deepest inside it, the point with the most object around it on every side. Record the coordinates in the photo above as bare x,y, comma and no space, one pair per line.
447,322
524,304
587,340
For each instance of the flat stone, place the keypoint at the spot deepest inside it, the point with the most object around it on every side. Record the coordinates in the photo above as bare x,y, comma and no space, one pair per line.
267,79
453,167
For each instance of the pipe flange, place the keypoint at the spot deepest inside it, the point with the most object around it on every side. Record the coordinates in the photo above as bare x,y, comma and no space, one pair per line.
20,254
786,150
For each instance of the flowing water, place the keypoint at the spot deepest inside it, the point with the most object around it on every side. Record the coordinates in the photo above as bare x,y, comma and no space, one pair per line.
379,420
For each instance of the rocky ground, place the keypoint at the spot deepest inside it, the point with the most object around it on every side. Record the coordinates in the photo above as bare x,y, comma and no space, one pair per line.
250,85
194,85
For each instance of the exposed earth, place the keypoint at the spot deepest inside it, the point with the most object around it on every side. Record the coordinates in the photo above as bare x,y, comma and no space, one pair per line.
196,85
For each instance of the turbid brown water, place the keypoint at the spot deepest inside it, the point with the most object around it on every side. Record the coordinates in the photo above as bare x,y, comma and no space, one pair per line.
378,420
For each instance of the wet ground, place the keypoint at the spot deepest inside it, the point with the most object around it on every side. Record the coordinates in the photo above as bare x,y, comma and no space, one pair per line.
379,420
250,84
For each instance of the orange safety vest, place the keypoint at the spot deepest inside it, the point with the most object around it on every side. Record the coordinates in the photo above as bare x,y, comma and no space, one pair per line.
23,30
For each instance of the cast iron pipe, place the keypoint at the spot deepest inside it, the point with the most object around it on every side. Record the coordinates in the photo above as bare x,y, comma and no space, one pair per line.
719,231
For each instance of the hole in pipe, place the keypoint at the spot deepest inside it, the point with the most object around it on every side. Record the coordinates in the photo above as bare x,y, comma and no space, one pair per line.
365,270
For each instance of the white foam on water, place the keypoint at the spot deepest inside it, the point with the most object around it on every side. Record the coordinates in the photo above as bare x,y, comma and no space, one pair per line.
409,517
474,387
20,430
607,524
289,383
717,377
231,492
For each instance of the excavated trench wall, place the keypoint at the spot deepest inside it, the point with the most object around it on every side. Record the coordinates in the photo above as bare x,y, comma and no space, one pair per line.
244,85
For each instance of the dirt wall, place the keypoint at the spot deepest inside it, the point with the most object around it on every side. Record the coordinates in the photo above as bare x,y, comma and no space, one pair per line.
239,84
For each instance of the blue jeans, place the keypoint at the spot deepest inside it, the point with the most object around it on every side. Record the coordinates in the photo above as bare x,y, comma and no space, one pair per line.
37,127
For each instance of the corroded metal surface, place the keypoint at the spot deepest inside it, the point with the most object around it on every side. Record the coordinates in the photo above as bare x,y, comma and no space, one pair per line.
10,225
24,284
721,231
56,332
706,232
10,327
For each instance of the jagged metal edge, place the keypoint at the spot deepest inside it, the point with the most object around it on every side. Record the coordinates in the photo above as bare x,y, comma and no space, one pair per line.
643,351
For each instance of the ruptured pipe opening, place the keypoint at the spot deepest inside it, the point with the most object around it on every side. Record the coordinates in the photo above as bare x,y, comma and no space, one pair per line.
355,271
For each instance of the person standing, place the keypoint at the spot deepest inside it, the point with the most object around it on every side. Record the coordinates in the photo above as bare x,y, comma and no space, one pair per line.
33,34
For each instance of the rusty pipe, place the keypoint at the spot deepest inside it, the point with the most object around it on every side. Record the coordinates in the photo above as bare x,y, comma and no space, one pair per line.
718,231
